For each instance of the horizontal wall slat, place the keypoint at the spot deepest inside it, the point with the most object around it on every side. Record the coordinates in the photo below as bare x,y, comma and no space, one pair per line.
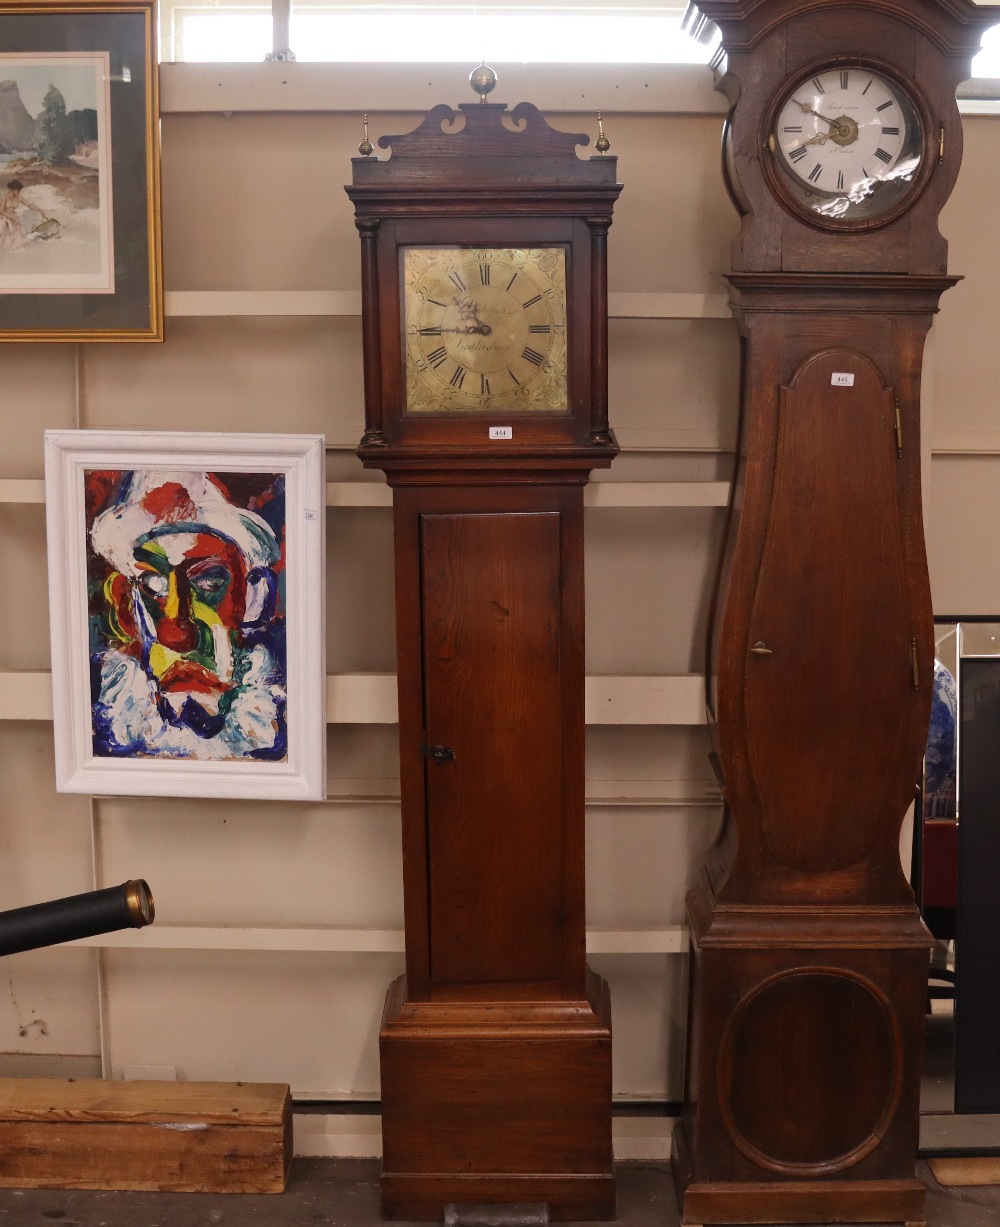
377,494
670,939
348,303
25,696
669,307
655,494
650,89
18,490
645,700
674,89
361,698
601,794
262,302
370,698
966,443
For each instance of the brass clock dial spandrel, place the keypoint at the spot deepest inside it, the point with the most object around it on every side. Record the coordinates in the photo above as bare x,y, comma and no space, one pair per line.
485,329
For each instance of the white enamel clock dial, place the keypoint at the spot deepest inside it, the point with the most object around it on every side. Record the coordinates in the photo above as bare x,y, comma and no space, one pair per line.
485,329
850,142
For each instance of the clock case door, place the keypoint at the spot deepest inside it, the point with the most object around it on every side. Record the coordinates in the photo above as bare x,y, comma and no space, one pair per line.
496,1045
809,959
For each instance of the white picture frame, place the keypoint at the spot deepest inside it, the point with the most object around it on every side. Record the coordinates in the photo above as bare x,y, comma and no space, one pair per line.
186,597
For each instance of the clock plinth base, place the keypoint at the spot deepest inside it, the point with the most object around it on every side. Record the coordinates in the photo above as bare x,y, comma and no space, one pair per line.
793,1201
804,1073
497,1101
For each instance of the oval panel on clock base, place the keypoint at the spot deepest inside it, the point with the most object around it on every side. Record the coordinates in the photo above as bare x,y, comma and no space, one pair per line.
809,958
778,1112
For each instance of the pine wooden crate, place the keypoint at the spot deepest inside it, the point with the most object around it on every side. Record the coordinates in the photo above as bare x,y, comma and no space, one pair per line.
182,1137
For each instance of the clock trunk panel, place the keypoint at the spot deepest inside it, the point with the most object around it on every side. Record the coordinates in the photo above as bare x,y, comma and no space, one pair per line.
824,574
493,680
815,626
810,958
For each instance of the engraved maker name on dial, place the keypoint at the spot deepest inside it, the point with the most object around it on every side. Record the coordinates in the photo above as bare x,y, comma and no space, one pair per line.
485,329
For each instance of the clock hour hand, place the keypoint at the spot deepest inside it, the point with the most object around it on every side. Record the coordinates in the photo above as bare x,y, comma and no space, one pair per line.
468,308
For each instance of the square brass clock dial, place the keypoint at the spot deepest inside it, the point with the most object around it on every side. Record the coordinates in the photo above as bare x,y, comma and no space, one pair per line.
485,329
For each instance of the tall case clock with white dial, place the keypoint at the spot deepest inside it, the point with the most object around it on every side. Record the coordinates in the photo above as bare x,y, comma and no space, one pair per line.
809,958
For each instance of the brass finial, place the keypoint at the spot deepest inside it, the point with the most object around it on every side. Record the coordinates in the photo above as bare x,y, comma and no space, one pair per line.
602,144
366,148
482,80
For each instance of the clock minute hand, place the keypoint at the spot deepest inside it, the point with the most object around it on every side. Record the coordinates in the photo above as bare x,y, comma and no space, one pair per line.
835,124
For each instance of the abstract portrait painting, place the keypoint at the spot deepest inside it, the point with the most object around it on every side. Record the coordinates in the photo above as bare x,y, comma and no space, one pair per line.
193,633
187,613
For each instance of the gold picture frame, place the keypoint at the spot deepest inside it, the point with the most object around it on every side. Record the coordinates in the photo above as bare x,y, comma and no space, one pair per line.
80,221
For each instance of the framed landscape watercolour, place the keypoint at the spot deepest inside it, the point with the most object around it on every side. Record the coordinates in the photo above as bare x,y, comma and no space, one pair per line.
79,172
187,599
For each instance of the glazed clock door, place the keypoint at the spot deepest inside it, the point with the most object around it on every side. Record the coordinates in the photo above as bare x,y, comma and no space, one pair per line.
849,142
491,642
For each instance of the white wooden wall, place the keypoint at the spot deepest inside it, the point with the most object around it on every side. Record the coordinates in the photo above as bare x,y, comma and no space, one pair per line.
280,926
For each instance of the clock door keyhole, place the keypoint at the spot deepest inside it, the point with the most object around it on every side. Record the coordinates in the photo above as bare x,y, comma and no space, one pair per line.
440,754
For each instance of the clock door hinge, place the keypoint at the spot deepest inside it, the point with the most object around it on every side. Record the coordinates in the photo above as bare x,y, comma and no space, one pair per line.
941,145
899,433
915,664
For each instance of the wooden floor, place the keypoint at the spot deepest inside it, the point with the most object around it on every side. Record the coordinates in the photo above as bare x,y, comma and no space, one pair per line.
344,1193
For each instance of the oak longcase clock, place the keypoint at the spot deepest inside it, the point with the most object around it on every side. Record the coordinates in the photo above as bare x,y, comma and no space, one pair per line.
809,958
485,346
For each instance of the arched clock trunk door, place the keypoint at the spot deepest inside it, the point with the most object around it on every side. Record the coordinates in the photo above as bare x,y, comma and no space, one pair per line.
831,605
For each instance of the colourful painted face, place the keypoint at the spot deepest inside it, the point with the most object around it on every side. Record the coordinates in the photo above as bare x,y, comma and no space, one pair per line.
185,607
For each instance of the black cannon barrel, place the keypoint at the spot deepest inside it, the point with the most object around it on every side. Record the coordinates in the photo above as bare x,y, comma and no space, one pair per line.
129,906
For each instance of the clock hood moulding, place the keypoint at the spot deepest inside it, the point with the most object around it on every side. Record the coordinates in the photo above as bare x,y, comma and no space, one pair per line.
955,26
500,161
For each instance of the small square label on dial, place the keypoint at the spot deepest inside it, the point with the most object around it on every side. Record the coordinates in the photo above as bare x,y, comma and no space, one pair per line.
501,432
